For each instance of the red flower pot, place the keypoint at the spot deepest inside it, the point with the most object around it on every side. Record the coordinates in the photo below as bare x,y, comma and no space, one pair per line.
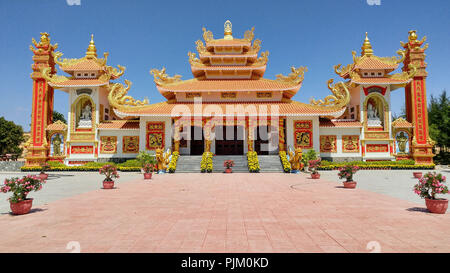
228,170
22,207
108,184
437,206
43,176
350,185
417,174
147,175
315,175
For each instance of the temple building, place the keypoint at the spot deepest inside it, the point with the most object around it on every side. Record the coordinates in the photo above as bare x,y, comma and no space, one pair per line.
228,107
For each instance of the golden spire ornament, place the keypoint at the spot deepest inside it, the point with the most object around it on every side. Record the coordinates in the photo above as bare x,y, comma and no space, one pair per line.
228,31
366,48
92,50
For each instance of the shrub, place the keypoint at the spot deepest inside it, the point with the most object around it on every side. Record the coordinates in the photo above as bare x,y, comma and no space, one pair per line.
206,165
130,163
110,171
313,165
45,167
253,162
431,184
148,168
285,162
55,164
20,187
347,172
145,157
173,162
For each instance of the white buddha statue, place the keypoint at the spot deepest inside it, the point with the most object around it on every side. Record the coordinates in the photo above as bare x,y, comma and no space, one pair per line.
86,117
372,116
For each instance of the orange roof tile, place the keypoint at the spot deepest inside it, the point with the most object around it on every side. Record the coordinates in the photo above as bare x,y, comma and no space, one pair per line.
57,127
119,124
380,81
229,85
292,108
223,42
340,123
79,82
85,65
367,62
401,123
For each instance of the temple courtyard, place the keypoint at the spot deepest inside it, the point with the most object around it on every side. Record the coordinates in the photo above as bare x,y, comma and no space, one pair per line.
240,212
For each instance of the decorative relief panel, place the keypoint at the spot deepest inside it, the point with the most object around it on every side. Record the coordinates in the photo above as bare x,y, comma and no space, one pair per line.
155,135
264,95
108,144
377,148
303,134
328,144
82,149
228,95
130,144
350,144
191,95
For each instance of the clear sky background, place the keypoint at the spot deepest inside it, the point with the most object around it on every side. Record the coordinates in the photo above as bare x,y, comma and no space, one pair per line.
141,35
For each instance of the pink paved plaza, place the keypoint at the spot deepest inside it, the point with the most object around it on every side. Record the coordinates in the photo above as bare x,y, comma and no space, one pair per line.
227,213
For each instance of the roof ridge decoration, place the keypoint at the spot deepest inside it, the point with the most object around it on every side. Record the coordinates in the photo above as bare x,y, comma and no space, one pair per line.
209,37
46,74
161,78
413,43
340,97
43,44
263,59
295,77
118,98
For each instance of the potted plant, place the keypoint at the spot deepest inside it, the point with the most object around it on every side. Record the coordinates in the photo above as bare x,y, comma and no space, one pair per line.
430,185
313,165
148,170
228,164
44,167
20,187
347,172
110,172
417,174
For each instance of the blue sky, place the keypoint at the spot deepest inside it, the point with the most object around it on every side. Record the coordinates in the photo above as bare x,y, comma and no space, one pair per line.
141,35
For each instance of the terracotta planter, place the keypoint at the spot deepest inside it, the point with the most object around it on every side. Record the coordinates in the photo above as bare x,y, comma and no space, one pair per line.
23,207
147,175
108,184
43,176
437,206
228,170
350,185
315,175
417,174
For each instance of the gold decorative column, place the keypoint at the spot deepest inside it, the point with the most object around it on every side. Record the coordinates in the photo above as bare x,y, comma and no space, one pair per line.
176,134
281,135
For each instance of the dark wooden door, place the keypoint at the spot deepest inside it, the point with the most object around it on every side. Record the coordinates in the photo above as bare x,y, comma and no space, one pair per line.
197,141
262,140
231,142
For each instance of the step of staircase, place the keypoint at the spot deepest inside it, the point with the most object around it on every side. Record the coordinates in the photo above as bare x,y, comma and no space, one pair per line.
240,163
270,164
188,164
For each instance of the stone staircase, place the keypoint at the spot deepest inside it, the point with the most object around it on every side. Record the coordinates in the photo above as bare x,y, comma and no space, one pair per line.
240,163
270,164
188,164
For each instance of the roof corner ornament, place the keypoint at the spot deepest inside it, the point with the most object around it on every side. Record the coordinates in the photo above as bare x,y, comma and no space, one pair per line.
249,35
118,98
340,97
207,35
161,78
296,76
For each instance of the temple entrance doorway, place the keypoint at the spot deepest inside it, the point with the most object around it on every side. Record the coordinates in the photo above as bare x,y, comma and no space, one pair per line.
262,140
229,140
197,140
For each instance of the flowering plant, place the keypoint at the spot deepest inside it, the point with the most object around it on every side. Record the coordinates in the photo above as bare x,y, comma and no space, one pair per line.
347,172
45,167
228,164
148,168
20,187
430,184
313,165
109,171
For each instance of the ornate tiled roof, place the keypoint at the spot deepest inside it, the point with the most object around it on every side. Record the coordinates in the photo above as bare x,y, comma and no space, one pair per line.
229,85
373,62
291,108
382,80
57,126
78,82
119,124
401,123
84,65
340,123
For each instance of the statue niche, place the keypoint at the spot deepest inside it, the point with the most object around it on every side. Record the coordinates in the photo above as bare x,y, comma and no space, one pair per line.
374,113
402,139
57,147
84,113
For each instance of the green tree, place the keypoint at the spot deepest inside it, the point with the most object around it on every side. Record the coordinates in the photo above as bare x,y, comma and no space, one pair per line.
58,116
439,119
11,136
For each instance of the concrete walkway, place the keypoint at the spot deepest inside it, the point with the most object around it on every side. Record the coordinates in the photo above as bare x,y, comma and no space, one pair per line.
227,213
